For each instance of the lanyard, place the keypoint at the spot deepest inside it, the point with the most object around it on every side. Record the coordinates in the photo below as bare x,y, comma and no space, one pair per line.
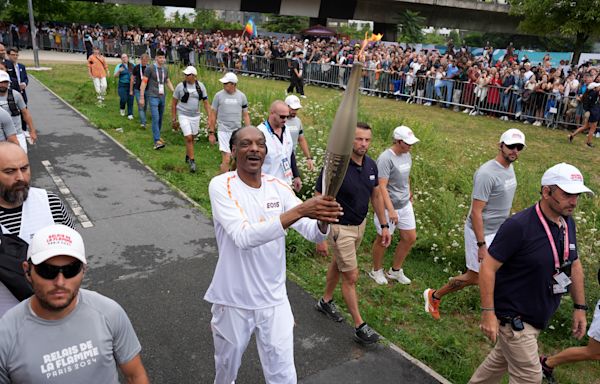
551,239
162,72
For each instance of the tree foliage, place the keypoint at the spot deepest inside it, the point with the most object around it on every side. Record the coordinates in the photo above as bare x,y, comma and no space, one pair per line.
410,26
284,24
578,19
352,31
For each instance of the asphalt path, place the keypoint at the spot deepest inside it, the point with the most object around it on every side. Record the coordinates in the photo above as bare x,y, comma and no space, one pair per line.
153,252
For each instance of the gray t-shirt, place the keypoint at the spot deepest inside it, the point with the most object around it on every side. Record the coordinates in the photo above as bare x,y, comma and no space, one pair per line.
229,108
294,125
495,185
7,127
20,104
192,107
155,75
396,168
84,347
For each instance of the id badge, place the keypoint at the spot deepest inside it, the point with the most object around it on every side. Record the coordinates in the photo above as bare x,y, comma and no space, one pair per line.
287,169
161,89
562,279
558,289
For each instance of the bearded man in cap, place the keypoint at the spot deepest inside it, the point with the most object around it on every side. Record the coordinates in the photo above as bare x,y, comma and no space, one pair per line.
531,263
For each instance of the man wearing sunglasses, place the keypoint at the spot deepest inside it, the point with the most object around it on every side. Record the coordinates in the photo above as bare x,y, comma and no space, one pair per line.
280,160
23,209
494,186
531,263
63,333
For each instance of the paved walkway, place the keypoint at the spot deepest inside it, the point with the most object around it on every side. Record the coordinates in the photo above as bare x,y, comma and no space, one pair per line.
154,253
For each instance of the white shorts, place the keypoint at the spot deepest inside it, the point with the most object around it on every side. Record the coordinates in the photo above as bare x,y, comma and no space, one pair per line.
406,219
224,138
471,248
594,331
274,330
22,141
189,125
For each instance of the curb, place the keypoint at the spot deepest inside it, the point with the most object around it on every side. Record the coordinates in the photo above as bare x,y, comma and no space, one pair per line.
394,347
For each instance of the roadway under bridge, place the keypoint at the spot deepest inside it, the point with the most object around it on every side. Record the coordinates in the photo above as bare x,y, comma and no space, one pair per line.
476,15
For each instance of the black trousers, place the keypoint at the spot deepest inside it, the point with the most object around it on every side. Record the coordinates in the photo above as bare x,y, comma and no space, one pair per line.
296,82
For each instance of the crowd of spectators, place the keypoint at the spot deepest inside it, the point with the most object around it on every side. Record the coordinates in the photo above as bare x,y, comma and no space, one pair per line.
512,87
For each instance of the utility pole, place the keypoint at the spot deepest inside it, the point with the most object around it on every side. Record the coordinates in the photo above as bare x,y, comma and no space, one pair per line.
36,59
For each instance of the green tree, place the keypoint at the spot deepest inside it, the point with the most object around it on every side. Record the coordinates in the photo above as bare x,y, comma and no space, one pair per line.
17,11
352,31
578,19
410,26
284,24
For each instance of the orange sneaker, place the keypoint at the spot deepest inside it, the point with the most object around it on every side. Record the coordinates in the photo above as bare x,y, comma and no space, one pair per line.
431,305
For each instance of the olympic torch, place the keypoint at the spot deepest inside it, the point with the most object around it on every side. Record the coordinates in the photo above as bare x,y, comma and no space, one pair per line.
341,136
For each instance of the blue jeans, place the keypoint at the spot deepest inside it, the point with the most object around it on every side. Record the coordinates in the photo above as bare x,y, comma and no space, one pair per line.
157,109
448,84
141,110
125,98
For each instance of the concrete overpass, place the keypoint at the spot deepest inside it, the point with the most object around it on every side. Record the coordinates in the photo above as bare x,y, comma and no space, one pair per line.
489,16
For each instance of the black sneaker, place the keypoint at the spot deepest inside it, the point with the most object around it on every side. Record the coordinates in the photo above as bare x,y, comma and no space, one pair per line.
187,159
192,166
329,309
547,371
365,335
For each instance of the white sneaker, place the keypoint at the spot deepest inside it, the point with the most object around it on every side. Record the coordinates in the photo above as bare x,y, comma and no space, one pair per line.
466,110
130,117
398,276
473,113
517,115
122,112
428,104
378,277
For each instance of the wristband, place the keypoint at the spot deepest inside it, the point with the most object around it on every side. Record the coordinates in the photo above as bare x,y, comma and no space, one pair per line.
480,244
582,307
385,226
484,309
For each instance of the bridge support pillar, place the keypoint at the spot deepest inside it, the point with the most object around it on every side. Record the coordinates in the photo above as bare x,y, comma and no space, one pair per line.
389,31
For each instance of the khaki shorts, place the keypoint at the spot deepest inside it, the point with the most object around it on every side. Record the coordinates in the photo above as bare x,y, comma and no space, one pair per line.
344,240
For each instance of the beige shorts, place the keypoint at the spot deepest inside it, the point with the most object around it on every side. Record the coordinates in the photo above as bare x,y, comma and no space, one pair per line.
344,240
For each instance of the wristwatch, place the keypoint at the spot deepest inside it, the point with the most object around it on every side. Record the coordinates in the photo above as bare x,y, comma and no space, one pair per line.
385,226
480,244
583,307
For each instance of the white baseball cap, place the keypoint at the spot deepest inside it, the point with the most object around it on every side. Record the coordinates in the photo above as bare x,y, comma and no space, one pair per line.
56,240
293,102
593,85
229,77
190,71
566,177
4,76
405,134
513,136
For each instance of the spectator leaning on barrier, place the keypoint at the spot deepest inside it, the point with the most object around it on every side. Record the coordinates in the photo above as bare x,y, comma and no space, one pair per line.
155,78
134,86
531,263
97,69
186,112
123,72
229,109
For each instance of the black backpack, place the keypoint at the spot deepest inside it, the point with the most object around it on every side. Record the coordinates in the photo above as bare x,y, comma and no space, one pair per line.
12,104
186,94
13,252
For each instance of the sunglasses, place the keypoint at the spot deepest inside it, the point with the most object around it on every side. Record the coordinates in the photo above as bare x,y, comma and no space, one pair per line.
49,272
283,117
513,146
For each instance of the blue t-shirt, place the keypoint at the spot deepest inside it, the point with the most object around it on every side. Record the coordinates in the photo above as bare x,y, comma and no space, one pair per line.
355,192
525,279
123,76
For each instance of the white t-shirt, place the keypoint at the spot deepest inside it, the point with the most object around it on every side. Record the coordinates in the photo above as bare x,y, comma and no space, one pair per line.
251,272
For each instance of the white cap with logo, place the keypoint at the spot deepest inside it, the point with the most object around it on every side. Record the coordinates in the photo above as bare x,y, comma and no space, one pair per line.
405,134
56,240
293,102
4,76
229,77
566,177
513,136
190,70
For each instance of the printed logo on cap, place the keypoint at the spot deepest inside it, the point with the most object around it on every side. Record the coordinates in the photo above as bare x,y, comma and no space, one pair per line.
516,136
59,239
576,177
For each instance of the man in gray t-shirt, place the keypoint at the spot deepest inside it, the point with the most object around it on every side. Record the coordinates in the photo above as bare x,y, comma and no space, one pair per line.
14,104
7,128
294,125
494,186
229,108
64,334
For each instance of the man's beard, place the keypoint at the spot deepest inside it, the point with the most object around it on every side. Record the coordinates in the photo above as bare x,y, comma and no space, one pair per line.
13,195
3,89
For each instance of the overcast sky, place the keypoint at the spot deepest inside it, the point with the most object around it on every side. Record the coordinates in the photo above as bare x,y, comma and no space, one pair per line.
171,10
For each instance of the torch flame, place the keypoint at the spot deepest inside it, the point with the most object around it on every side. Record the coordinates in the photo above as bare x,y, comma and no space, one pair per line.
367,40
